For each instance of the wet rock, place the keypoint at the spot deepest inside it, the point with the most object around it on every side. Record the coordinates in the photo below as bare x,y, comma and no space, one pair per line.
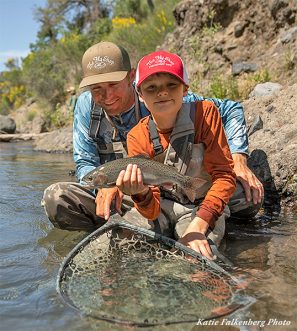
7,124
265,89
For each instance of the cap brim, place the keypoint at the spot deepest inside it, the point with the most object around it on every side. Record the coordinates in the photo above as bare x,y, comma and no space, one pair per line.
103,78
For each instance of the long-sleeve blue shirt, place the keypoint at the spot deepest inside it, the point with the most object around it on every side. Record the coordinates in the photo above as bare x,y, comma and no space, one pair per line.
85,153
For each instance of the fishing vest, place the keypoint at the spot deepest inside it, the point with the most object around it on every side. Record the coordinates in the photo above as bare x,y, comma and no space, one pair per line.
182,153
101,125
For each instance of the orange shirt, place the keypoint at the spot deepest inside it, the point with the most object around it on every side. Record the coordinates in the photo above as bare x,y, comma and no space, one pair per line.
217,161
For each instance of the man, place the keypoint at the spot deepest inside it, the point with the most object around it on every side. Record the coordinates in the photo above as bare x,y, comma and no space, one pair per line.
103,117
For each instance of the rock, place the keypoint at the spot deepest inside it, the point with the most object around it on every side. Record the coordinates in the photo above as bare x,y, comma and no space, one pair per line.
257,125
238,30
58,141
270,108
278,141
39,125
265,89
239,67
7,124
289,36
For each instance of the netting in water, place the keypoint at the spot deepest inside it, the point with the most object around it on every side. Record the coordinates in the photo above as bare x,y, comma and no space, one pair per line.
124,274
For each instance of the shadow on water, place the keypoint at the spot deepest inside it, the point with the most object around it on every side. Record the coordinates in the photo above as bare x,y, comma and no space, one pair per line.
32,251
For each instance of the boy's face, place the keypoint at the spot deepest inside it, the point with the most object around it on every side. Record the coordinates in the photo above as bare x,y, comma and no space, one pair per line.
162,94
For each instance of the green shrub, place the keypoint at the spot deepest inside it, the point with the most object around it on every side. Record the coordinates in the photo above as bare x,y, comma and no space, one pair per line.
142,38
30,115
223,88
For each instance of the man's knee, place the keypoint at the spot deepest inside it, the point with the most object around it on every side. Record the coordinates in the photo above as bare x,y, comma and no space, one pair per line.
52,197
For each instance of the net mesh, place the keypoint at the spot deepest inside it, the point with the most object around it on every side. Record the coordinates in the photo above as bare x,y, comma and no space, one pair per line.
130,275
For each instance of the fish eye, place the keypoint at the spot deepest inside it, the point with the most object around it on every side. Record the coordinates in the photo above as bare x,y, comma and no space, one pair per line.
90,177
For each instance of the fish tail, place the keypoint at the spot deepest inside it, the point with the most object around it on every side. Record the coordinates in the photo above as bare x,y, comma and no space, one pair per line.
193,184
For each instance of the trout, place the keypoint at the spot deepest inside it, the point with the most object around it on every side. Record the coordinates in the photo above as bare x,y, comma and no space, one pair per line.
153,173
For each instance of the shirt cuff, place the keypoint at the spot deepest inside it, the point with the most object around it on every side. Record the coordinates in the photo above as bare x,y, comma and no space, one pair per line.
143,201
207,216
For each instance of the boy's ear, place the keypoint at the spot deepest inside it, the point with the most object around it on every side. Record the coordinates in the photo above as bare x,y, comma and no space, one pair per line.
139,96
186,89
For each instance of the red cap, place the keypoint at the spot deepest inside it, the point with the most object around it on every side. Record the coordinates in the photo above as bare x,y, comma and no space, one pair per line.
161,61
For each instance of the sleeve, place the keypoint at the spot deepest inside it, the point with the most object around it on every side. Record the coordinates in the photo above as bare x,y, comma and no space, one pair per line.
234,123
137,143
218,163
85,152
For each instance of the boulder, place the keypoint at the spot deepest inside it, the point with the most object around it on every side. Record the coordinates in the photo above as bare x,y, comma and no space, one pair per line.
265,89
7,124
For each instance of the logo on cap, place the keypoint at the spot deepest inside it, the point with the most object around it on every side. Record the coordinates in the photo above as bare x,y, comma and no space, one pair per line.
99,62
160,60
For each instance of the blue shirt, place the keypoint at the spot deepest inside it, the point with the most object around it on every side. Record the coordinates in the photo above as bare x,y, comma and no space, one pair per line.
85,151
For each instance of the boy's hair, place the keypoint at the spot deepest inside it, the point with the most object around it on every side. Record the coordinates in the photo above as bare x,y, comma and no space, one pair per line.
161,61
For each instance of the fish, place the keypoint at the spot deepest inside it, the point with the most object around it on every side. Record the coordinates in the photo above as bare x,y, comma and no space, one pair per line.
153,173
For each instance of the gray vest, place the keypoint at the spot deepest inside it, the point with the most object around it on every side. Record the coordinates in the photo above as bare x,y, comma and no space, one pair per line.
184,155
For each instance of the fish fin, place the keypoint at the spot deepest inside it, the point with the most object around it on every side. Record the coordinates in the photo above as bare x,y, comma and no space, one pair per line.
142,156
193,185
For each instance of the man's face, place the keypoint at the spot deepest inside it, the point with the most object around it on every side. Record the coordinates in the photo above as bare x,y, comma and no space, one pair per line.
162,94
114,97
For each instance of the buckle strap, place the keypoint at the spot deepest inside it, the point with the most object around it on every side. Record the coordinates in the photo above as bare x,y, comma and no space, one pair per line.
96,116
158,148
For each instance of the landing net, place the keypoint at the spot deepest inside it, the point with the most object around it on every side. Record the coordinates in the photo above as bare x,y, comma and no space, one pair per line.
128,275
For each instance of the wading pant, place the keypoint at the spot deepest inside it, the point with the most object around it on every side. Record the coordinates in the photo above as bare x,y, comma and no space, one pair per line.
70,206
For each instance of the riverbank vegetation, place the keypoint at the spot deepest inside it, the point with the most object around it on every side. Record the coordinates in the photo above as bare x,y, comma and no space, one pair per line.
67,29
216,48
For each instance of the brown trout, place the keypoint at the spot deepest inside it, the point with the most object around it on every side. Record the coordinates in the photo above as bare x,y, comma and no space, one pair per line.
153,173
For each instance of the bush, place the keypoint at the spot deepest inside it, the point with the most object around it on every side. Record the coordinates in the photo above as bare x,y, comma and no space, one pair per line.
142,38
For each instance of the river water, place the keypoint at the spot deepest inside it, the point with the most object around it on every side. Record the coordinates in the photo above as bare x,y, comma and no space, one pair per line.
32,251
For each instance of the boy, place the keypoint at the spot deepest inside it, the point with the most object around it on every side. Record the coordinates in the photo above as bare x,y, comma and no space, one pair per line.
189,137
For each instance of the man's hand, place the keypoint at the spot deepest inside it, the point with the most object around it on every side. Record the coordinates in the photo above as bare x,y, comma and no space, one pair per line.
253,188
104,199
194,237
130,181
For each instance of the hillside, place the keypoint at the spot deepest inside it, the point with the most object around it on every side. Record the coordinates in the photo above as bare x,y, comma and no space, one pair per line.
221,38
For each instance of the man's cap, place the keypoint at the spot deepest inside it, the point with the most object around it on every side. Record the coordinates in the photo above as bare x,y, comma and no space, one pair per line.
104,62
161,61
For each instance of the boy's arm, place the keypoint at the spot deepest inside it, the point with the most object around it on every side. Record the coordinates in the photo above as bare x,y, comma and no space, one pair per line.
218,163
85,152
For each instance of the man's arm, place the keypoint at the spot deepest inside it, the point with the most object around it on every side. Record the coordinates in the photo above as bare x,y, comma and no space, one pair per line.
233,119
86,157
85,152
234,123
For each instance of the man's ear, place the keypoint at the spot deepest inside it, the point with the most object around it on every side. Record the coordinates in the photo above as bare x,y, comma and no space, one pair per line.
132,74
186,89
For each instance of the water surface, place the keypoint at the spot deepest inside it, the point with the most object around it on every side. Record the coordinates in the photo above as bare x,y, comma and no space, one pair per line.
32,250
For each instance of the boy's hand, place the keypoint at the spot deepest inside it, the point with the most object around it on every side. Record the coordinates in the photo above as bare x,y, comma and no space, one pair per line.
194,237
104,199
130,181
